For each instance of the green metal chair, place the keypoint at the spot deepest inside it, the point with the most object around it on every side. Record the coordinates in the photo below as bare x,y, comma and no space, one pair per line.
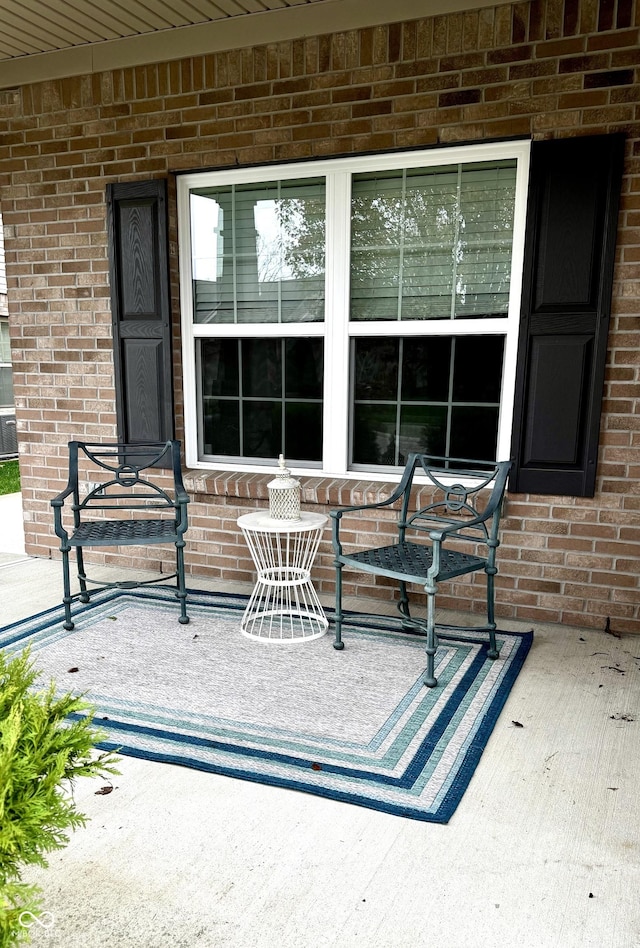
111,499
464,509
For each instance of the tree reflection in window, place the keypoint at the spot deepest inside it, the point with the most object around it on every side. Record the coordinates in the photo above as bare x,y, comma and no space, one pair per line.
432,243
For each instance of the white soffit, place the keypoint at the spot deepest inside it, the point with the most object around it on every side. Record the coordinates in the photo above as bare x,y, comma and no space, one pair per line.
50,39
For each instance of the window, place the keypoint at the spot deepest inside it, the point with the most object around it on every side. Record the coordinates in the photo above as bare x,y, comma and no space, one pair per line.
347,312
6,383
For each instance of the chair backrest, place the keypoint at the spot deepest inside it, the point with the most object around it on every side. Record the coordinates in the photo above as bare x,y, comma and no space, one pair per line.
122,476
463,493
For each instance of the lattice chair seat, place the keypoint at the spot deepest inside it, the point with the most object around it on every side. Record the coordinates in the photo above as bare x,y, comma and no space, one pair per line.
124,532
121,495
464,508
411,562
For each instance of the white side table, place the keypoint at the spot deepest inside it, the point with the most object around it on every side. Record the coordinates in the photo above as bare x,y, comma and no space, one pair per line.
284,606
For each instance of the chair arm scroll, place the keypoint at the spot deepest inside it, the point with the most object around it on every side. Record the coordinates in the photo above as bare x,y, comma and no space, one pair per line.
59,500
181,496
58,503
455,529
336,515
181,501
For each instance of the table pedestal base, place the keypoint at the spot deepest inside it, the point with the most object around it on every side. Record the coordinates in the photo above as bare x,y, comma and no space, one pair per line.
284,606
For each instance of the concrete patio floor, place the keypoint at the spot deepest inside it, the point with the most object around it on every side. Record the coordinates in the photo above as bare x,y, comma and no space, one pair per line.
542,852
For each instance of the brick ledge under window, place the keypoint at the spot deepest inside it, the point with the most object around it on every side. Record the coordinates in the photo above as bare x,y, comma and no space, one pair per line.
322,491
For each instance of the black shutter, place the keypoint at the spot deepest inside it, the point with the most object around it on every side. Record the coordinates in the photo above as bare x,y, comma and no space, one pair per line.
141,309
568,274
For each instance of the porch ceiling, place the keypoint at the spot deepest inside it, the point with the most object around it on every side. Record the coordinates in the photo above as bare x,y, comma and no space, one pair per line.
47,39
40,26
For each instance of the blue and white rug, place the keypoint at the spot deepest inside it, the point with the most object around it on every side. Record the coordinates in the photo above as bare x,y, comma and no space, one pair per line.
356,726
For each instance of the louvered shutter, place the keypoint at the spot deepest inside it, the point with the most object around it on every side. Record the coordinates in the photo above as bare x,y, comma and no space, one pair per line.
141,309
568,275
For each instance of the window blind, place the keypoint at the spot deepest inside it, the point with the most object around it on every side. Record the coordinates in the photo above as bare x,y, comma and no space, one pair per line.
258,252
432,243
6,385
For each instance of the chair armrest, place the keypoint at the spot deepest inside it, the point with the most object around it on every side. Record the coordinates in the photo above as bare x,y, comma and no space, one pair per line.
59,500
398,492
336,515
440,533
58,503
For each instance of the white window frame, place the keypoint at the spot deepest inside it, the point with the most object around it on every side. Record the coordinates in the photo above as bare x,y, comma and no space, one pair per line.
337,330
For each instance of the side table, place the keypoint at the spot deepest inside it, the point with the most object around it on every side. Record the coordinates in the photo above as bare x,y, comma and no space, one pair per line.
284,606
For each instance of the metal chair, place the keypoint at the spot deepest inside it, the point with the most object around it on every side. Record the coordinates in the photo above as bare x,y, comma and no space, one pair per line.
459,514
117,484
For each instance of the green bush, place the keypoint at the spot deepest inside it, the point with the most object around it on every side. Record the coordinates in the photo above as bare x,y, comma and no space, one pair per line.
42,752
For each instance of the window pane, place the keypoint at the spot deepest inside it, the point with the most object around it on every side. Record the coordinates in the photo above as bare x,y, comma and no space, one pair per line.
376,371
474,433
374,434
219,359
262,429
262,368
258,252
303,431
478,369
423,428
6,375
303,368
483,267
5,345
438,395
426,369
432,243
6,386
221,426
245,413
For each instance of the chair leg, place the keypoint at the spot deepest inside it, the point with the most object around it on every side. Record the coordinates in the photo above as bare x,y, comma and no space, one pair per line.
337,642
67,598
491,625
430,679
181,591
82,576
403,605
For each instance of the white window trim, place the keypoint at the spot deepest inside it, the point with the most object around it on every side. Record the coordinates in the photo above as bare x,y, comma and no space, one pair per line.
336,329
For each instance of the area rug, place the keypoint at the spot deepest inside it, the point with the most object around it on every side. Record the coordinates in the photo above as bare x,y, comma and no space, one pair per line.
356,726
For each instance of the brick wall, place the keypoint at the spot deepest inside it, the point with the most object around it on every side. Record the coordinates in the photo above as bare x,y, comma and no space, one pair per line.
530,69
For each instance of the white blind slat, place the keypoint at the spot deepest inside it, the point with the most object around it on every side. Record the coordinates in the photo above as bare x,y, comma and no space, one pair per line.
258,252
432,242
